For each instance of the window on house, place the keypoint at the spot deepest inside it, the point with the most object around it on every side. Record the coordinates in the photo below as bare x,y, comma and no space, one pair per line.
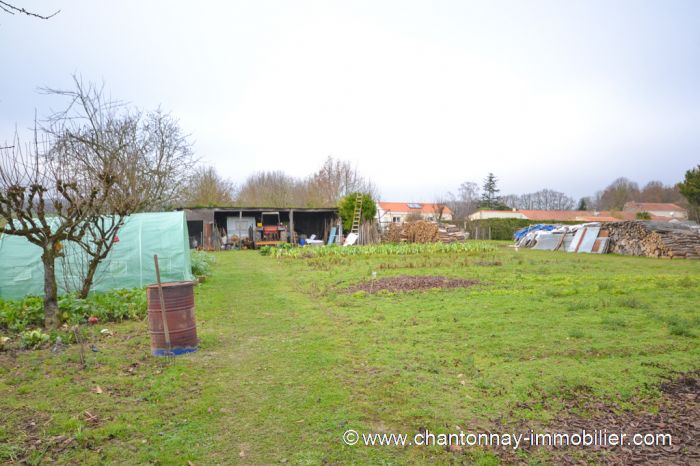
396,219
414,206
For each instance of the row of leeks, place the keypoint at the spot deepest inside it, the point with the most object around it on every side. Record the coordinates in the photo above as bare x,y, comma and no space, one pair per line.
388,249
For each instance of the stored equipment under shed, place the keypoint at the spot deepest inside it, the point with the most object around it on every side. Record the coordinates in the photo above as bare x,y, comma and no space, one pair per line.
236,227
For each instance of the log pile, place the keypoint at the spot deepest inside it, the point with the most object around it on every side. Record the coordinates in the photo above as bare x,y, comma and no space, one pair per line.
423,231
450,233
653,239
393,233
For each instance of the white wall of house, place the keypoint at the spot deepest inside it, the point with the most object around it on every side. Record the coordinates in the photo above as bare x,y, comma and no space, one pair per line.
486,214
678,214
386,217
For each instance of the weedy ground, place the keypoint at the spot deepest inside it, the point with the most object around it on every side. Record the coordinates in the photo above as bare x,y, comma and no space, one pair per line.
289,360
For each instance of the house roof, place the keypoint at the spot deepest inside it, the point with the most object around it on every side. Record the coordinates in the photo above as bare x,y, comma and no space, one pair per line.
566,215
649,206
409,207
578,215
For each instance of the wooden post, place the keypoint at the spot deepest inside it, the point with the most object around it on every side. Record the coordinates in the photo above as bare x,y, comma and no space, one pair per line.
291,225
166,331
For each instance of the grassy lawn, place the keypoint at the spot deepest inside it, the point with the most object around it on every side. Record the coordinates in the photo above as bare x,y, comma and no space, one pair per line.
289,360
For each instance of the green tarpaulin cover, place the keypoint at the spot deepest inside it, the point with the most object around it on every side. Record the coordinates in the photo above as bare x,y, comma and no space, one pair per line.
129,264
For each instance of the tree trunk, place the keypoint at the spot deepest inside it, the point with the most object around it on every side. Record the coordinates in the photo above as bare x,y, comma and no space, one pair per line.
50,289
89,277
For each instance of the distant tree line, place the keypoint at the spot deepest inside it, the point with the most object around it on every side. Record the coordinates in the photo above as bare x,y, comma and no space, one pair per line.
471,197
323,188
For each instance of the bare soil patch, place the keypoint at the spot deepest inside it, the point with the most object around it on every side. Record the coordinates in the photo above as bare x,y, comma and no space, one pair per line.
411,283
678,415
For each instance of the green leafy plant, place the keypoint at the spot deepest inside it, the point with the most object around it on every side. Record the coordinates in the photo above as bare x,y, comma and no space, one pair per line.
33,339
113,306
201,263
18,315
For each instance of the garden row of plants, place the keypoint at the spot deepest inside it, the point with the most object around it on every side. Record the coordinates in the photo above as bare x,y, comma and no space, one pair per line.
112,306
24,318
388,249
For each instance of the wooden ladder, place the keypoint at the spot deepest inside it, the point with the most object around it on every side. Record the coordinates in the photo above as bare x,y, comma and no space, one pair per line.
357,216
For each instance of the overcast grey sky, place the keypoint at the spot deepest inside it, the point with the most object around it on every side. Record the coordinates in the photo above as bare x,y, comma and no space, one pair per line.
421,96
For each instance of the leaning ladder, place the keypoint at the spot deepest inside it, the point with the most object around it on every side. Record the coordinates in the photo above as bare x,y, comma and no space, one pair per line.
357,215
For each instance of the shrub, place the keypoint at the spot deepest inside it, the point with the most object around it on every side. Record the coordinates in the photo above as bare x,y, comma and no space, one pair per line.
346,209
505,228
201,263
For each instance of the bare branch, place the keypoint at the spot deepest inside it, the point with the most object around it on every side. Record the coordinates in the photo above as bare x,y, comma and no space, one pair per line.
12,9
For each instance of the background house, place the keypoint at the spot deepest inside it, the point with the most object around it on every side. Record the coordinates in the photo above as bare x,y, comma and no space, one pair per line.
658,209
583,215
398,212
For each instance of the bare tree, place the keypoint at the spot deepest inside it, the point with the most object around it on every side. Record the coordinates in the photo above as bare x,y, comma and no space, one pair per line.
148,157
618,193
544,199
166,160
439,207
11,9
45,200
465,202
336,179
207,188
272,189
656,191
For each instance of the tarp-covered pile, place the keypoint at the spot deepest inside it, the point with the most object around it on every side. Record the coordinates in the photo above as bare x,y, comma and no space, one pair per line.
587,237
632,238
129,264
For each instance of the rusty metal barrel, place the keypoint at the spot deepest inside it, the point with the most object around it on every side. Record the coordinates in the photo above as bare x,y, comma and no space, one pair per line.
179,312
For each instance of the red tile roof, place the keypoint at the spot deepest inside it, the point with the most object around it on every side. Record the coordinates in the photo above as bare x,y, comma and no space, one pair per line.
426,207
649,206
579,215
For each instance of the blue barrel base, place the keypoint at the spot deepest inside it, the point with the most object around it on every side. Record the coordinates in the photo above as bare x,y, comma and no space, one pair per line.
173,352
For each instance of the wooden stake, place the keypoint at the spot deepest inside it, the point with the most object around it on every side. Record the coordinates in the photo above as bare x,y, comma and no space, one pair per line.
162,307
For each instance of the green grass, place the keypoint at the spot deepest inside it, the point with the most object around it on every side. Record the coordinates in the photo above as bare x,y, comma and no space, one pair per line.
289,360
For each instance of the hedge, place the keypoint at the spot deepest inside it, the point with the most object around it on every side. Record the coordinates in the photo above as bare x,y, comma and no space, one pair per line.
504,228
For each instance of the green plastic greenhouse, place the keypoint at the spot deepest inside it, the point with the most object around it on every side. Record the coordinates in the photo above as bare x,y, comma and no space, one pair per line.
129,264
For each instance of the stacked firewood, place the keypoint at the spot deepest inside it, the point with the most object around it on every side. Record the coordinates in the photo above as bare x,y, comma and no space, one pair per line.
393,233
654,239
450,233
422,231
